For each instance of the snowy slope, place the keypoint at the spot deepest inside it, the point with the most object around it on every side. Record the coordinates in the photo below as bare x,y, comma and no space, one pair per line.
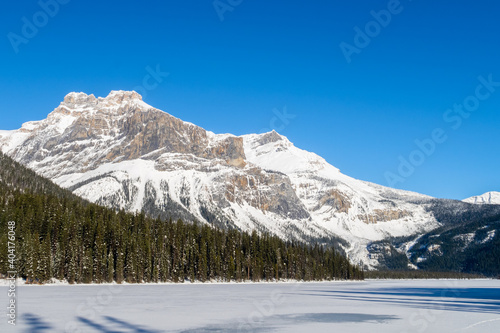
120,152
357,211
492,198
390,306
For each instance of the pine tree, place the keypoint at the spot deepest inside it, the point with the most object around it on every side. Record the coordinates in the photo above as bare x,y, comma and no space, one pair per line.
109,277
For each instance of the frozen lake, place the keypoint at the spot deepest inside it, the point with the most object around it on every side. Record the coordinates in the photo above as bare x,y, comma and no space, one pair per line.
369,306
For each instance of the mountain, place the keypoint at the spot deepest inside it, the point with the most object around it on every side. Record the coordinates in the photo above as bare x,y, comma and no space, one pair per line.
120,152
491,198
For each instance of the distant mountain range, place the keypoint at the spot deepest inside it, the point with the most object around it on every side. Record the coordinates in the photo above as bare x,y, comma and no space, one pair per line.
120,152
491,198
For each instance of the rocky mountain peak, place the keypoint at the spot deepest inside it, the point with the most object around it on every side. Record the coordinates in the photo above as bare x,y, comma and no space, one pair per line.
85,132
269,137
74,98
80,100
120,96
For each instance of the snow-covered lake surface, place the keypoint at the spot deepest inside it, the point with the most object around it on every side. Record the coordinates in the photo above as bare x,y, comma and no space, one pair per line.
369,306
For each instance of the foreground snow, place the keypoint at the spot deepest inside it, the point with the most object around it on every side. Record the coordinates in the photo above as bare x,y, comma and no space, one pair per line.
370,306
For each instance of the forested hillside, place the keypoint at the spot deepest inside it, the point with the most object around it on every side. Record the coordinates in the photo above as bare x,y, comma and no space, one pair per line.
61,236
14,176
469,247
467,242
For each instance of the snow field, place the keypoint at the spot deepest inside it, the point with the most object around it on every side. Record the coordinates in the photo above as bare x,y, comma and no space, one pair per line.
369,306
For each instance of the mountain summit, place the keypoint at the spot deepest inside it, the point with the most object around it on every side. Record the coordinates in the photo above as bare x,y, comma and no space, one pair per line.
120,152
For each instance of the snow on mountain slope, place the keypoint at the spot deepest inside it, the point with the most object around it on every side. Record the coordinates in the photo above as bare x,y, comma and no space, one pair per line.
120,152
492,198
357,211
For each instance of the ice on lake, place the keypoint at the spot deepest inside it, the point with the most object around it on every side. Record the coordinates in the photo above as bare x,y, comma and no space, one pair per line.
368,306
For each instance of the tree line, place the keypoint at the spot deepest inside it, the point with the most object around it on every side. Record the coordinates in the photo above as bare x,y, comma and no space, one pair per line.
60,236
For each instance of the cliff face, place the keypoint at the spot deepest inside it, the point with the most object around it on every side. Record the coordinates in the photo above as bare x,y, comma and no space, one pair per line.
121,152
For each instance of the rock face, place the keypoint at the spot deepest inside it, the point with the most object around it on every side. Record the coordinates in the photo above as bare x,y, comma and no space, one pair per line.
120,152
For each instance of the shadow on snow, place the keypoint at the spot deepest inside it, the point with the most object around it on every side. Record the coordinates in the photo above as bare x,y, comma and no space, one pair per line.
36,323
478,300
274,322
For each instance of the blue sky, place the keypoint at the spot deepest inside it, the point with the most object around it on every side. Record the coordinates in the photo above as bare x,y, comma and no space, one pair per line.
284,57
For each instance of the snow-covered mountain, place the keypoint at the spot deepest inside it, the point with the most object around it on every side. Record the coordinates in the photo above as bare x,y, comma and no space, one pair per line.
491,198
121,152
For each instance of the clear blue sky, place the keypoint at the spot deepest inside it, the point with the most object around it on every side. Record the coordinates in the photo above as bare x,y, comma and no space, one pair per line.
229,76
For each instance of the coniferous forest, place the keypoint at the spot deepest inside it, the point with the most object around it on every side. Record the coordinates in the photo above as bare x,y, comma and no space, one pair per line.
58,235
